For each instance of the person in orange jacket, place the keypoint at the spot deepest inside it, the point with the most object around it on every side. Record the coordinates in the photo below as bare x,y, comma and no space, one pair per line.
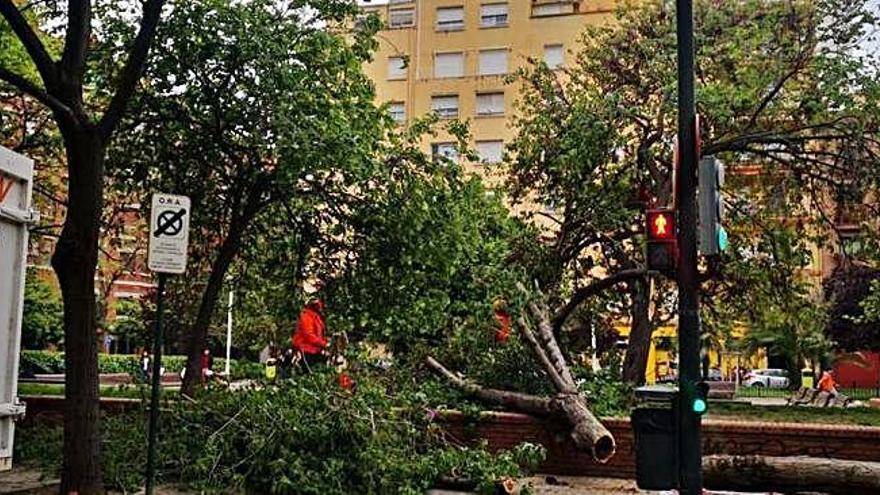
827,383
502,317
309,337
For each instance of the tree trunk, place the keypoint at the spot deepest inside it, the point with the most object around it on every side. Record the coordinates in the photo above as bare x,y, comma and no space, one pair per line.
75,260
635,361
199,331
586,431
791,474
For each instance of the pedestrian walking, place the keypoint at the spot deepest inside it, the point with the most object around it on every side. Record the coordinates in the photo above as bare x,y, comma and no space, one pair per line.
206,366
146,362
309,338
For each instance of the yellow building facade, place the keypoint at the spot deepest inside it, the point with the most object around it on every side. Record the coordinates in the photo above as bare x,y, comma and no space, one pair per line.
451,57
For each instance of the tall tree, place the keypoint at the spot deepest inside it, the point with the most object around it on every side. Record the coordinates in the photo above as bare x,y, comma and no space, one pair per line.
86,127
264,111
782,91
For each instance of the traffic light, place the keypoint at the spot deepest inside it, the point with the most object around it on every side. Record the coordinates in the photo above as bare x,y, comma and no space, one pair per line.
696,397
712,236
662,247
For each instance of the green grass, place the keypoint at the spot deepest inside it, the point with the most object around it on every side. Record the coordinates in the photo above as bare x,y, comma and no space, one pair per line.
863,416
114,391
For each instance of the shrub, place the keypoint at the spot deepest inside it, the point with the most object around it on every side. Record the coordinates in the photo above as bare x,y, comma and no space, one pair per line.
308,437
48,362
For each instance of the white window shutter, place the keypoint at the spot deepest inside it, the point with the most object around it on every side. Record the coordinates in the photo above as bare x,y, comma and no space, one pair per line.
397,109
551,9
445,106
402,18
493,62
554,56
490,151
449,65
493,15
450,18
446,150
490,103
396,68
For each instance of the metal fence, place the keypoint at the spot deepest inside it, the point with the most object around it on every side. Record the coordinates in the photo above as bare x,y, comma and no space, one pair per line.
851,392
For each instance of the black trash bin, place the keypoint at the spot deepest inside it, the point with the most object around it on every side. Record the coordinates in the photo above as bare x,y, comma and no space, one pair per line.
654,423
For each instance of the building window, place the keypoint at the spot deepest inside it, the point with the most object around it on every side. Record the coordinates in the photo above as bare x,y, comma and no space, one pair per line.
448,65
490,104
553,8
446,107
402,18
554,56
490,151
493,62
450,18
445,150
396,68
397,109
493,15
392,2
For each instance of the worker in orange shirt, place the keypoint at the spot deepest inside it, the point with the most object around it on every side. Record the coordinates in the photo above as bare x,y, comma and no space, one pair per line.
827,383
502,317
309,337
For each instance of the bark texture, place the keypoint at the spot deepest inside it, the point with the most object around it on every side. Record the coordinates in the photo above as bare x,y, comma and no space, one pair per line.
74,261
635,361
791,475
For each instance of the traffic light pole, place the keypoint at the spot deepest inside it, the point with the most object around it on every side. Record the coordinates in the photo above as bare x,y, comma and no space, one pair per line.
690,460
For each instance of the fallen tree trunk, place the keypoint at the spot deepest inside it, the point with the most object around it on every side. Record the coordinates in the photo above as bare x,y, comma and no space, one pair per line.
529,404
567,405
791,475
571,408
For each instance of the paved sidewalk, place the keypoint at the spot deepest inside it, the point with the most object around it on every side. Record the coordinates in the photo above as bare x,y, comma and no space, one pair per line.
562,485
22,481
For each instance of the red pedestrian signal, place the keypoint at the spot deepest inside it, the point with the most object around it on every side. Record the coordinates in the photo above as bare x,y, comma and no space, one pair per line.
661,225
662,246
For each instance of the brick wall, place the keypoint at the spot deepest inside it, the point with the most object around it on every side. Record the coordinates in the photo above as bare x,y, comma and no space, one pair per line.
505,430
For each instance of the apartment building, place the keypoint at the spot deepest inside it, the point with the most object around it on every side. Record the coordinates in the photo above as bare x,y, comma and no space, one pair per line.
452,57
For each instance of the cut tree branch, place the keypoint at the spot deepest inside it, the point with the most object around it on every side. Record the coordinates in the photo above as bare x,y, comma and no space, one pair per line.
791,475
531,404
583,293
548,366
133,69
552,347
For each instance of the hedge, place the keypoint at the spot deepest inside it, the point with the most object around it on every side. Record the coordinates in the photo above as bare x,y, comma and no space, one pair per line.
48,362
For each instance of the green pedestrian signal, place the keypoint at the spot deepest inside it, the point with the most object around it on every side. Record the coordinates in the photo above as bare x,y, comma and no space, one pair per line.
722,238
696,396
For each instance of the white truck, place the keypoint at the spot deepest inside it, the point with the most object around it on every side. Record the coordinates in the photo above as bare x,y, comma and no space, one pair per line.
16,178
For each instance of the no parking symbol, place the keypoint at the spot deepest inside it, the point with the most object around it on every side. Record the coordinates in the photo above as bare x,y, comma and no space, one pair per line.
169,233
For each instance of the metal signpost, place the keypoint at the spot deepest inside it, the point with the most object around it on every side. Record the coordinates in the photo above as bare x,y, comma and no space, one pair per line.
169,238
16,179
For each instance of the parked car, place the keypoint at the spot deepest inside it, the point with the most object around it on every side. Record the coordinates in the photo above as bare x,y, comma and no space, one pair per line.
714,375
768,377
